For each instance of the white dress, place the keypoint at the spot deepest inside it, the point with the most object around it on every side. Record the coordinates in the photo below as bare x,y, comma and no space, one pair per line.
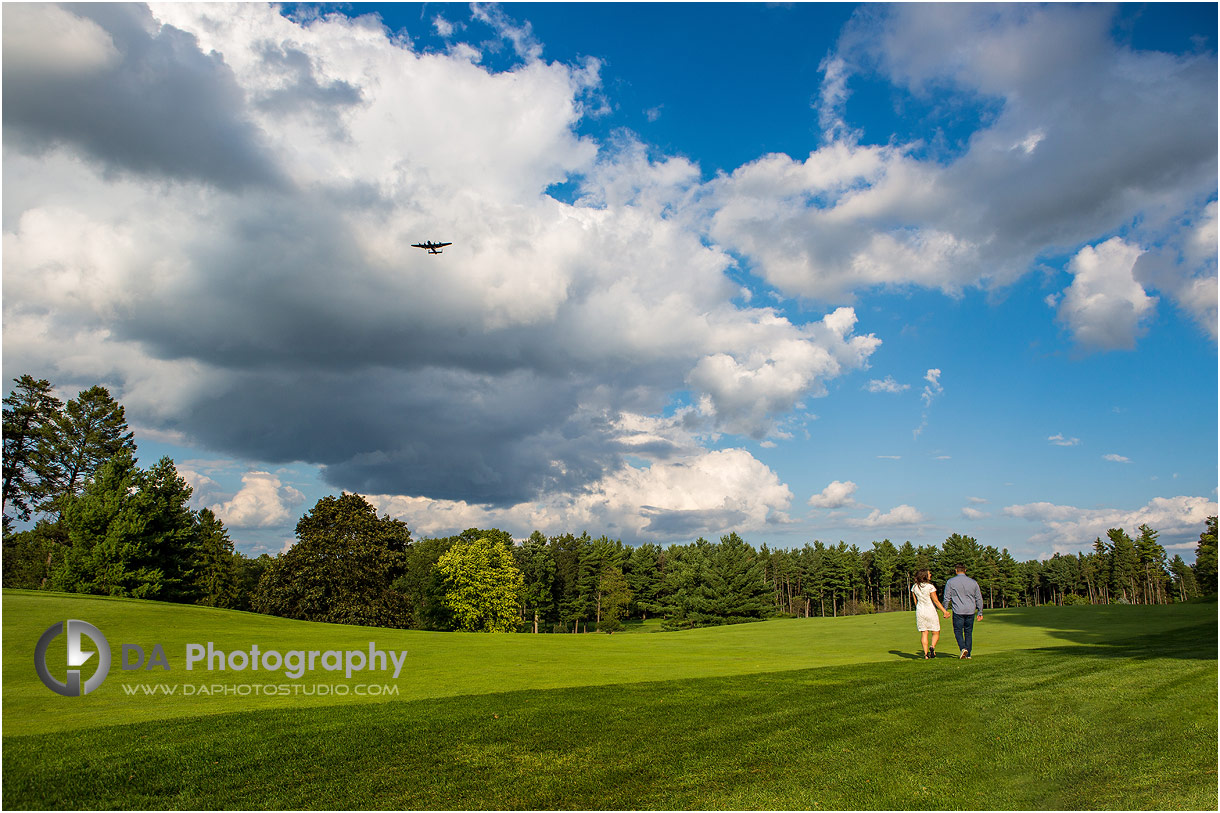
926,617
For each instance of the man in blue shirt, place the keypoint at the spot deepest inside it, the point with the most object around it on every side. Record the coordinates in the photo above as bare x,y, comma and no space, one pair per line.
963,595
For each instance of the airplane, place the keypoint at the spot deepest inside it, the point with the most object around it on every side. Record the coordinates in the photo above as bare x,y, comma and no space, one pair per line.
431,247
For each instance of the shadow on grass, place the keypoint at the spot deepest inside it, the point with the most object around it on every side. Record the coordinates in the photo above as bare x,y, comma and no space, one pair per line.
910,656
1183,630
1196,642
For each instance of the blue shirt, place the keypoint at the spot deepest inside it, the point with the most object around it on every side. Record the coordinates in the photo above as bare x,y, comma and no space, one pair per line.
963,594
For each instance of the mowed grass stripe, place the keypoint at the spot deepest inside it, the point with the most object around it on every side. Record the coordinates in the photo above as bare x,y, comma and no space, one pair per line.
453,664
1128,726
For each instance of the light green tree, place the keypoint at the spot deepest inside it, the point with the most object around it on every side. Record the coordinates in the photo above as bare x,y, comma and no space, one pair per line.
483,586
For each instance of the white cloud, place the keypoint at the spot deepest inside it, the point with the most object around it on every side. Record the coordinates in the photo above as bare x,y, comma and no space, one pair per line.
898,515
699,493
933,388
1185,267
1105,306
1116,458
836,495
262,502
1058,439
1067,528
41,38
1083,137
887,384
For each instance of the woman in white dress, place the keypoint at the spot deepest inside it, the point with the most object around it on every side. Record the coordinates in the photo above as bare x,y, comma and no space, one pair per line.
926,619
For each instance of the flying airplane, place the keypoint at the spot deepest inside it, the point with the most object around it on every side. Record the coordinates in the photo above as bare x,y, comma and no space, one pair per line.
431,247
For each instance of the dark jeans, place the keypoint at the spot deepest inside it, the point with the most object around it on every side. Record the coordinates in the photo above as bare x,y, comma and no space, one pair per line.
963,629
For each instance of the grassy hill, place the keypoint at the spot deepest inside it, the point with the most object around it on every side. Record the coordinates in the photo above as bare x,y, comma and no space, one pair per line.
1066,707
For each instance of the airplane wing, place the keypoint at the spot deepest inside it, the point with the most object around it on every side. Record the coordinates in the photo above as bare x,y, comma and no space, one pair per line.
442,245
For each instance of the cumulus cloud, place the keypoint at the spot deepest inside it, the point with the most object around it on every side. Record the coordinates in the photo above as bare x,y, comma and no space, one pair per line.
108,81
898,515
262,502
1067,528
836,495
887,384
698,493
970,512
1082,137
1058,439
1104,306
266,303
1116,458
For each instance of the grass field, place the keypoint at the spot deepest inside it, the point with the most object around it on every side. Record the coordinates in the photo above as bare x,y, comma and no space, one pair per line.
1063,708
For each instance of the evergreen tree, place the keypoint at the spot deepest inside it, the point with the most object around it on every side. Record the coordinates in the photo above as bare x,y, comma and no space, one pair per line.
1184,583
884,566
1152,564
91,429
958,550
30,413
217,566
644,577
569,552
537,566
613,597
29,556
130,533
1124,567
1205,559
732,585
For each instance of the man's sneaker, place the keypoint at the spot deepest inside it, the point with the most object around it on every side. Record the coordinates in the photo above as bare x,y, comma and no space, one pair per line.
962,656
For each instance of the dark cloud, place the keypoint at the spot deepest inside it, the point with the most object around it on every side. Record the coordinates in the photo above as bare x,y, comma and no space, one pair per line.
150,102
437,433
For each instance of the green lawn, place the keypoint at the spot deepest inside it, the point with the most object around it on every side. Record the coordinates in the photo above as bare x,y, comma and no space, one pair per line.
1073,707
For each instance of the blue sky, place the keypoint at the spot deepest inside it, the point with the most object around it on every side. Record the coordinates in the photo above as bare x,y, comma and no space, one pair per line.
816,271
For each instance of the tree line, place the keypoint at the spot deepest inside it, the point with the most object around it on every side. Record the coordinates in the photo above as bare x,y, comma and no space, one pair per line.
105,526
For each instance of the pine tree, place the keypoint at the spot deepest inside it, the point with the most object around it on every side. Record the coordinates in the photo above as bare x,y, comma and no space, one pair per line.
91,429
537,566
1124,568
216,572
1205,559
30,414
644,576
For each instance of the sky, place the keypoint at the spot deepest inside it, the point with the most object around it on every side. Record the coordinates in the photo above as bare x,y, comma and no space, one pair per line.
811,271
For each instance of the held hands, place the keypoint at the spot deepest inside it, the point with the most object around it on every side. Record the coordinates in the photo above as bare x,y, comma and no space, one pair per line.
980,617
947,614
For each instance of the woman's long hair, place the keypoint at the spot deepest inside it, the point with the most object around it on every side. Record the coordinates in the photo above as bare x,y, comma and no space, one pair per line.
923,577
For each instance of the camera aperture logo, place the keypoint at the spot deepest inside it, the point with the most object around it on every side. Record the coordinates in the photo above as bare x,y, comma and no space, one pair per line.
292,665
72,687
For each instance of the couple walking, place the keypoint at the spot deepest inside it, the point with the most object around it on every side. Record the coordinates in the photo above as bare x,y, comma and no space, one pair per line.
962,594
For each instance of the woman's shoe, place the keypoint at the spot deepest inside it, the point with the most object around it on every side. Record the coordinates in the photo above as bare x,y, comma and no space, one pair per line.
933,651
